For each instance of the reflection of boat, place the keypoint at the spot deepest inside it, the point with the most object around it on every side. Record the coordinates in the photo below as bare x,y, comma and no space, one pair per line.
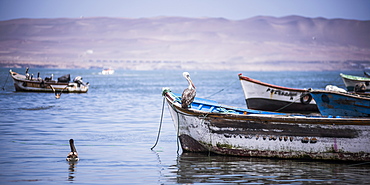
264,96
36,84
197,168
331,103
107,71
211,127
356,83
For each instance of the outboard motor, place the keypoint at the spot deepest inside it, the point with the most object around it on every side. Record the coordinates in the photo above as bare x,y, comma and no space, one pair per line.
78,80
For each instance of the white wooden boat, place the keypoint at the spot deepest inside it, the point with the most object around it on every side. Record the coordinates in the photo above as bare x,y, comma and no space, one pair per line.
263,96
208,126
356,83
37,84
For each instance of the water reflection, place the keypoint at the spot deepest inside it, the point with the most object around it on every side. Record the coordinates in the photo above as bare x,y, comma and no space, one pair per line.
71,170
204,168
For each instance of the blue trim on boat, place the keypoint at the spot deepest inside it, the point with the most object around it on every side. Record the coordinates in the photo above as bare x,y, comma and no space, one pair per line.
212,106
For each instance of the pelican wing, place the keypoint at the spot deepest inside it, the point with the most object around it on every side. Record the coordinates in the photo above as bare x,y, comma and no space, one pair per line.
187,97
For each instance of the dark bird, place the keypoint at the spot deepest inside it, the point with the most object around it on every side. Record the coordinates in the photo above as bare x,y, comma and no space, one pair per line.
189,93
73,155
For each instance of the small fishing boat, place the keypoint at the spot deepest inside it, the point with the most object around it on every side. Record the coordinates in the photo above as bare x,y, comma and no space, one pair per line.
356,83
207,126
331,103
263,96
36,84
107,71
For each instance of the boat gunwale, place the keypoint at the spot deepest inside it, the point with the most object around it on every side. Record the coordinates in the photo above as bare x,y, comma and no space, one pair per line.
269,118
363,96
354,78
245,78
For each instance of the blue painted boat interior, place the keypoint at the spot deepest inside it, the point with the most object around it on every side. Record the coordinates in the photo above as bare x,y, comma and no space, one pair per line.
215,107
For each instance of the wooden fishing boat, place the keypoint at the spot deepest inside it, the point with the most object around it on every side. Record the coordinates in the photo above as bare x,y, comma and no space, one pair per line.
356,83
263,96
208,126
37,84
331,103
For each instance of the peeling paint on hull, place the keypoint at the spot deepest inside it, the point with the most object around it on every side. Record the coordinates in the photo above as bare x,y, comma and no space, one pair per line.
342,104
277,136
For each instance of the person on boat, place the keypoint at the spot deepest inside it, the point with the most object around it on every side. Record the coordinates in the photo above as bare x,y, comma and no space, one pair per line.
27,75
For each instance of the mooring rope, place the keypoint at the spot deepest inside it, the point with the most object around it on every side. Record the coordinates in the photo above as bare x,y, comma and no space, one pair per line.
6,81
287,105
221,90
160,125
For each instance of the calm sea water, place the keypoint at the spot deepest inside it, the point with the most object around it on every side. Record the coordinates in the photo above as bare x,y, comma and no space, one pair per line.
115,124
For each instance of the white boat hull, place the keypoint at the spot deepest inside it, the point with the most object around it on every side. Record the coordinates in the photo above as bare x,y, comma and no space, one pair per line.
262,96
352,83
277,136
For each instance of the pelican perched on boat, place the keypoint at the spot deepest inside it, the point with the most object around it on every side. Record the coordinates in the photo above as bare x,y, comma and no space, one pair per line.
189,93
73,155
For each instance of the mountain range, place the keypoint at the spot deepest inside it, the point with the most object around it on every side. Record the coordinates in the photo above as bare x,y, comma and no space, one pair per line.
257,43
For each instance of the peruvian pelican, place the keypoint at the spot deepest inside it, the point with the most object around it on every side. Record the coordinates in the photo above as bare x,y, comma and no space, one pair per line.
58,94
73,155
189,93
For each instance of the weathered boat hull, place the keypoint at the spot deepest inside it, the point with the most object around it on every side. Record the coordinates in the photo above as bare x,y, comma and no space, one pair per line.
264,96
342,104
21,83
269,135
356,83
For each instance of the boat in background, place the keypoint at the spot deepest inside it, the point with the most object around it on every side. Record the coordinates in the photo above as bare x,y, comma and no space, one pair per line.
268,97
30,83
356,84
332,103
107,71
208,126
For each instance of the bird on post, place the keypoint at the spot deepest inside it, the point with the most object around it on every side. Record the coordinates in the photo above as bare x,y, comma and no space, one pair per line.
73,155
189,93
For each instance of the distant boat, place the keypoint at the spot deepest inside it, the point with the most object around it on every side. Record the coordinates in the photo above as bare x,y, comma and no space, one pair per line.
36,84
107,71
356,83
208,126
331,103
263,96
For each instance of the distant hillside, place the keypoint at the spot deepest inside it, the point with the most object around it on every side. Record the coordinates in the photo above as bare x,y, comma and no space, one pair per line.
258,43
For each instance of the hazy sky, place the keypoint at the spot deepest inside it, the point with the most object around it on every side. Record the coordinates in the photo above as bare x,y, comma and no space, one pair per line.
229,9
